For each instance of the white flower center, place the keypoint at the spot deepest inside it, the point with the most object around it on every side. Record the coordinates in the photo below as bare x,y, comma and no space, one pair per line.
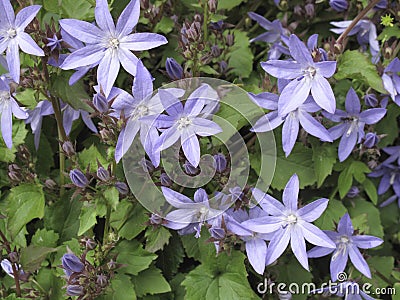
392,178
291,219
4,96
140,111
12,33
354,123
202,214
344,239
343,243
310,72
113,43
184,122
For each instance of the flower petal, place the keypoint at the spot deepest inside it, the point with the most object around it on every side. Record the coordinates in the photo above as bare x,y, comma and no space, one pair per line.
256,250
366,241
107,71
286,69
28,45
372,115
293,95
299,51
268,203
204,127
91,54
103,16
167,139
313,210
7,12
171,103
143,82
322,93
268,122
176,199
314,127
83,31
316,236
142,41
318,251
265,100
338,263
6,125
277,245
128,18
191,147
326,68
25,16
128,60
88,121
263,225
290,132
358,261
298,245
347,143
352,103
345,227
291,193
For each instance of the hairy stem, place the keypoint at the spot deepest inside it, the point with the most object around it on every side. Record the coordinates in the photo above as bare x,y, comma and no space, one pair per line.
356,20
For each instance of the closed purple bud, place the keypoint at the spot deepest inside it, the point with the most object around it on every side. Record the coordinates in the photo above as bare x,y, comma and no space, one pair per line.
147,165
298,10
219,162
111,264
155,219
102,280
339,5
75,290
310,9
13,256
381,4
68,148
223,66
165,180
50,184
217,233
371,100
353,192
190,169
103,174
122,187
100,102
71,263
215,51
218,26
230,39
174,69
78,178
371,140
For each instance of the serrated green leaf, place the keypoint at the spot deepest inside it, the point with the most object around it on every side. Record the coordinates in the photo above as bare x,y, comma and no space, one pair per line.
87,218
29,98
390,31
388,125
241,57
331,215
353,168
370,189
45,238
171,257
151,282
373,216
156,238
26,202
121,289
32,257
165,25
356,65
112,197
82,10
90,156
324,157
133,257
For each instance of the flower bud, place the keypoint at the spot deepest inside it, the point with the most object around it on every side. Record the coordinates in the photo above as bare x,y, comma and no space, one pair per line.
230,39
102,280
75,290
310,10
78,178
111,264
174,69
371,140
298,10
122,187
387,52
223,66
155,219
88,243
103,174
353,192
100,102
217,233
50,184
68,148
71,264
13,256
165,180
147,165
190,169
371,100
339,5
215,51
212,5
219,162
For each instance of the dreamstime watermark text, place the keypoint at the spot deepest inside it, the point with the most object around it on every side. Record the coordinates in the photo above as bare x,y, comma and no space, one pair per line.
341,286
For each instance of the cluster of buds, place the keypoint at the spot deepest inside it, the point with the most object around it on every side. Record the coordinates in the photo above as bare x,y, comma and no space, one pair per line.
84,279
23,171
191,38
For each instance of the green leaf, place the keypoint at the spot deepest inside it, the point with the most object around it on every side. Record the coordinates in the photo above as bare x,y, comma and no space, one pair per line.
32,257
370,189
129,219
355,65
121,289
46,238
81,10
223,277
18,137
396,293
390,31
353,168
299,161
75,94
241,57
90,156
388,125
26,202
324,157
29,98
87,218
51,283
156,238
133,257
331,215
165,25
112,197
151,282
373,216
381,267
228,4
171,257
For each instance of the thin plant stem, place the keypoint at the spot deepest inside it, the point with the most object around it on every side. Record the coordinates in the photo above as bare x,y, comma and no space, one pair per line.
356,20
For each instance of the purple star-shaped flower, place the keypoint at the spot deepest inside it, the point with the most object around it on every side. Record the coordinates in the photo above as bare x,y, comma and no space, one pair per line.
107,44
347,245
391,79
43,108
274,29
306,76
13,37
352,124
184,123
300,116
394,154
190,215
390,177
70,115
289,223
8,107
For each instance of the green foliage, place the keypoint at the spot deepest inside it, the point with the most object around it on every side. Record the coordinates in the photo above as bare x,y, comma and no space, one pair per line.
156,238
32,257
150,281
82,10
349,170
19,134
324,157
241,58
